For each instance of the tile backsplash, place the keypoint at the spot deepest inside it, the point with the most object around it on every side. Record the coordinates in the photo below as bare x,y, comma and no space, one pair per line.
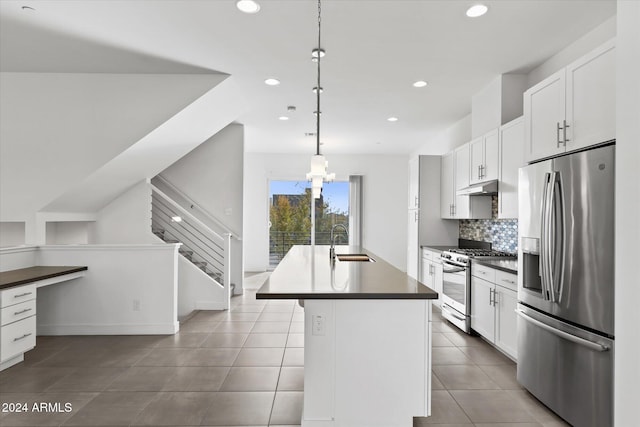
502,233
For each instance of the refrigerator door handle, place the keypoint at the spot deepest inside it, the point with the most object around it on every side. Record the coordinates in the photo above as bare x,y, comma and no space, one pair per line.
562,334
557,235
544,241
551,235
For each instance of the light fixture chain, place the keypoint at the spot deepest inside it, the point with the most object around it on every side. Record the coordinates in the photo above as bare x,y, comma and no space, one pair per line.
318,87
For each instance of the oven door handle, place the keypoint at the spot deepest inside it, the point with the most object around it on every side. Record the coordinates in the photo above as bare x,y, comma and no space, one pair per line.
445,307
452,270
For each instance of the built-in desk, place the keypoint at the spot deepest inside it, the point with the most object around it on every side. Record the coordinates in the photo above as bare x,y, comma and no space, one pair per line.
18,290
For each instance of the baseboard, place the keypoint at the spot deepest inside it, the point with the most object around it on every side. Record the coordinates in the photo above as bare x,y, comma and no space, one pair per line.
111,329
210,305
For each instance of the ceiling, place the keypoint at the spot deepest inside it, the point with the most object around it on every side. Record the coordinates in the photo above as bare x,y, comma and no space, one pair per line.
375,51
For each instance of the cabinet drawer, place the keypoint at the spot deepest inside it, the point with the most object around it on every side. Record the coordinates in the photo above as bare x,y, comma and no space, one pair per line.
483,272
507,280
427,254
17,338
17,295
17,312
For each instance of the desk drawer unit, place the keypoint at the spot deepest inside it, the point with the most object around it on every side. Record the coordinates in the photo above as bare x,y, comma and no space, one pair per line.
17,295
16,312
17,338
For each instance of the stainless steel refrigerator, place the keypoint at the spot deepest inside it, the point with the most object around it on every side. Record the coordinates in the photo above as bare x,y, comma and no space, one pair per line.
566,284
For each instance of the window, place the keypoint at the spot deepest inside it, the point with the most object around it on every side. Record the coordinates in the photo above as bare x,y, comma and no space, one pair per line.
290,215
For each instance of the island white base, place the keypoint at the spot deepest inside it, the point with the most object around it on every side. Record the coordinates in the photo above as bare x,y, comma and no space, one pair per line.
367,362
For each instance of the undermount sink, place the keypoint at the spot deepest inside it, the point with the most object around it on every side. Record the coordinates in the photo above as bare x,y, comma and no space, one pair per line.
355,257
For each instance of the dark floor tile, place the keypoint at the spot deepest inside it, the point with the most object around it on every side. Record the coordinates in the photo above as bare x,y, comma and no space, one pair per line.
44,409
269,316
444,409
449,356
266,340
225,340
190,378
199,327
251,379
165,357
270,328
24,379
234,327
486,355
436,384
239,408
291,378
175,409
464,377
438,339
111,409
287,408
503,375
182,340
491,406
539,412
260,357
460,339
211,357
142,378
86,379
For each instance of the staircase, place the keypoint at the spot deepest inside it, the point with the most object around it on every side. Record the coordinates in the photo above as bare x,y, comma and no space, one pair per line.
200,245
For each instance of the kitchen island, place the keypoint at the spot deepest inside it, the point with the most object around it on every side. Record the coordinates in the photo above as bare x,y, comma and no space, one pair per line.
367,337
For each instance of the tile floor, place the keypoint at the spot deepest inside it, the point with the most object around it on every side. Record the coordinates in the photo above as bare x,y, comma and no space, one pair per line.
242,367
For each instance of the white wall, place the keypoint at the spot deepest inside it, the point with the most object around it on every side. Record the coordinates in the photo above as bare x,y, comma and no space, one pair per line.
196,290
102,302
627,318
11,234
57,129
67,233
385,183
126,219
454,136
582,46
14,258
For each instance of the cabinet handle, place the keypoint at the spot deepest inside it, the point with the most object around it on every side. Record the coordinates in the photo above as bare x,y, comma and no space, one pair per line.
482,174
564,132
22,337
482,272
490,296
558,129
17,313
415,216
509,281
22,295
415,203
495,297
479,171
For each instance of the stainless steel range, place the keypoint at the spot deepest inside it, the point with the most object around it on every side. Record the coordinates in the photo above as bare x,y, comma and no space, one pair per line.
456,283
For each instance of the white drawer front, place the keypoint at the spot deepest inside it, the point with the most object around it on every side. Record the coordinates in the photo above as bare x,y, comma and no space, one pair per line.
483,272
17,312
507,280
17,295
17,338
427,254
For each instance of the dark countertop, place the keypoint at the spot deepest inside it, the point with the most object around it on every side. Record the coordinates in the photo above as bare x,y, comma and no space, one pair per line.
508,265
303,274
438,248
23,276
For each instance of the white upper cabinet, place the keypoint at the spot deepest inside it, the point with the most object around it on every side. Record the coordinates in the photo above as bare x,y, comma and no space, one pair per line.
591,98
414,183
511,155
573,108
455,176
484,158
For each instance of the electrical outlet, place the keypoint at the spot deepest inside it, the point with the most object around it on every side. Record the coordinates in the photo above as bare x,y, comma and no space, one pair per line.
136,305
318,325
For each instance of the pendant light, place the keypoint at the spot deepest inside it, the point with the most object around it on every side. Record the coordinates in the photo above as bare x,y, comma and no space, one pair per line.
319,164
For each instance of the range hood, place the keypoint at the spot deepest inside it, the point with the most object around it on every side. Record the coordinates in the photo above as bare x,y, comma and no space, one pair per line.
482,189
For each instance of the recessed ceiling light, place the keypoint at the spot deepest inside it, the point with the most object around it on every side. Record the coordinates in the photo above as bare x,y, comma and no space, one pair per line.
283,118
420,83
248,6
392,119
272,82
477,10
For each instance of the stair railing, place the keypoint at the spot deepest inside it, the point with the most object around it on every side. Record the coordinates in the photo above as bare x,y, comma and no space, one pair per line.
209,250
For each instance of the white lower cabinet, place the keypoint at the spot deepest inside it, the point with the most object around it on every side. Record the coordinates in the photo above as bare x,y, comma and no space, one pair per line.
431,272
493,305
18,329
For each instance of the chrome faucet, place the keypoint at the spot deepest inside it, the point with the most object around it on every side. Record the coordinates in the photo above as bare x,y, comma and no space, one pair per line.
332,251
